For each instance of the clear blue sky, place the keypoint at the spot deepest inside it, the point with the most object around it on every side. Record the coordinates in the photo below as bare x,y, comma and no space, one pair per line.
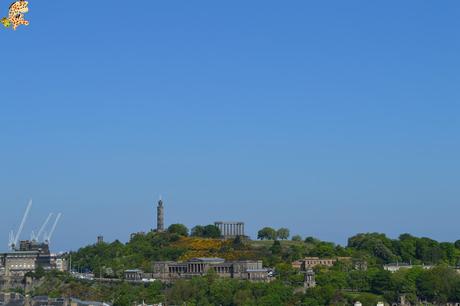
327,117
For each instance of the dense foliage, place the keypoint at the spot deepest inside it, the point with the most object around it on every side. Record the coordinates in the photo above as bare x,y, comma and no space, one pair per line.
347,281
208,231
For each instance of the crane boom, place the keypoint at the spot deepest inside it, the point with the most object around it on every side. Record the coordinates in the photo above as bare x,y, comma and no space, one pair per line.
50,235
40,232
24,219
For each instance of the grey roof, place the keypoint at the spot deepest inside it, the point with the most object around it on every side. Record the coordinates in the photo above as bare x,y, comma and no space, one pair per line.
398,264
20,253
207,259
257,270
80,302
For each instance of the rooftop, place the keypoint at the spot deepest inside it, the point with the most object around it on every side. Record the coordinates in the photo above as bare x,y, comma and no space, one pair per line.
207,259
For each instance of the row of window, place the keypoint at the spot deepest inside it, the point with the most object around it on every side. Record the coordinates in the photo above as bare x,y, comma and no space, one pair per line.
22,266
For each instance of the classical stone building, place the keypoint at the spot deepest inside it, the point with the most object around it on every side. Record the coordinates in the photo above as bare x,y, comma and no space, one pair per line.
311,262
18,263
244,270
309,278
30,255
393,267
134,274
230,229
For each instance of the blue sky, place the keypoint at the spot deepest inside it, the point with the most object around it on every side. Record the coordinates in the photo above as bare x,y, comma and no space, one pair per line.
327,117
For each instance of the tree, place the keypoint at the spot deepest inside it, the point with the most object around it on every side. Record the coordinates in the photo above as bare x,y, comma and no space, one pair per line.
212,231
39,272
297,238
282,233
379,245
198,231
179,229
239,243
457,244
381,281
267,233
311,240
276,248
428,251
358,280
208,231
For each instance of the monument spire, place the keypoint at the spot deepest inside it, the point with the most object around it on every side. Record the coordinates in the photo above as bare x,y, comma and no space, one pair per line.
160,216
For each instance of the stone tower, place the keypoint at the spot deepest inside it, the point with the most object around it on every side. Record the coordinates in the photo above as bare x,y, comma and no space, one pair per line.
309,280
160,217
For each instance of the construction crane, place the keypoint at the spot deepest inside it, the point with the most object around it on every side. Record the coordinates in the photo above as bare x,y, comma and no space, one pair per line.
42,228
50,234
15,238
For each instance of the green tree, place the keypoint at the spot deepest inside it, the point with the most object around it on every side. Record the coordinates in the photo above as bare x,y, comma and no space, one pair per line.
212,231
297,238
179,229
267,233
358,280
311,240
276,248
198,231
208,231
428,251
39,272
282,233
457,244
376,244
408,247
380,281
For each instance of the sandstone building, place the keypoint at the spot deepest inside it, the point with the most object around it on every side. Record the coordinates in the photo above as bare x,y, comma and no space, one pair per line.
168,271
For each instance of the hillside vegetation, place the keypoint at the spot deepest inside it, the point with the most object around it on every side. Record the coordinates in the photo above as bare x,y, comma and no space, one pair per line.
337,285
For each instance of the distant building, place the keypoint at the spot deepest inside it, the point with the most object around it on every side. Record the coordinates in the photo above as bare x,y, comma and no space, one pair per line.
100,239
160,217
393,267
19,263
244,270
11,298
134,275
311,262
309,279
230,229
30,256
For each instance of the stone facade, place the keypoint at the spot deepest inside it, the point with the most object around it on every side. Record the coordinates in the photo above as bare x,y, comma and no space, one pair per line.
309,278
311,262
160,217
393,267
244,270
134,275
18,263
30,256
230,229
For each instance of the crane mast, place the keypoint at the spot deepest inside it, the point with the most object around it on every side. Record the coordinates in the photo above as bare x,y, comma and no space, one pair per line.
50,235
14,238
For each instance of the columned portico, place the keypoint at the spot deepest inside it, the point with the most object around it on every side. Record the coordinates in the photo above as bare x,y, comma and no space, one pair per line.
230,229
